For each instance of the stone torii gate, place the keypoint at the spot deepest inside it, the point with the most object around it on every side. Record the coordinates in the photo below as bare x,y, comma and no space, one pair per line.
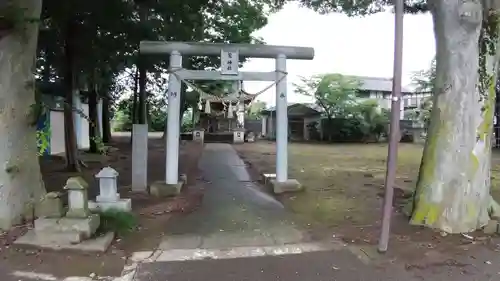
230,55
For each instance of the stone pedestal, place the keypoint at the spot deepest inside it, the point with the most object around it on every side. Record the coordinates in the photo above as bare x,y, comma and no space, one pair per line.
199,135
124,204
65,241
75,231
66,230
78,225
290,185
163,189
238,136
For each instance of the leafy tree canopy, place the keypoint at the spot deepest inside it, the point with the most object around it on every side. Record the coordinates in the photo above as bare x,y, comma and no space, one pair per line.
354,8
334,93
106,34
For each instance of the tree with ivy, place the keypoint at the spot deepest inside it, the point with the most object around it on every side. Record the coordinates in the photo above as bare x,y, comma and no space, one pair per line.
453,190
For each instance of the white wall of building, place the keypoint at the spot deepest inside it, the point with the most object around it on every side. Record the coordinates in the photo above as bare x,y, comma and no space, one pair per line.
57,143
413,100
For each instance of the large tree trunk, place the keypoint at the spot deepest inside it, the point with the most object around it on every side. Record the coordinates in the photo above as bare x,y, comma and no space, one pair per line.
93,120
141,63
141,111
106,127
135,100
330,123
452,192
135,97
71,148
20,178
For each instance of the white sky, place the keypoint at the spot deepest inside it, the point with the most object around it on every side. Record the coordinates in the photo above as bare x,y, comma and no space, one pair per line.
355,46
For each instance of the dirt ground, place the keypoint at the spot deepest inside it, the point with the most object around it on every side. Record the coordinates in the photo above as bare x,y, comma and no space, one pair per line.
344,193
151,213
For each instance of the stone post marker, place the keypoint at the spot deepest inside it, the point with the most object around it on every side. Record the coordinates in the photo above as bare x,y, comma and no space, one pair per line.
108,197
140,157
78,205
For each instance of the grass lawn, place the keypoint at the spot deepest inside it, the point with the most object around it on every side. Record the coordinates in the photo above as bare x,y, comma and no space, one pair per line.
345,183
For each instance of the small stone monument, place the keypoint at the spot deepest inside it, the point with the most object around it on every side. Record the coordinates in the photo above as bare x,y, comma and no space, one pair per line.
198,135
239,136
183,178
251,137
78,218
108,197
77,198
107,185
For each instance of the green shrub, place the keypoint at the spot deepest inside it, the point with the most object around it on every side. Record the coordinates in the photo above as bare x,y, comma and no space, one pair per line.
121,222
357,128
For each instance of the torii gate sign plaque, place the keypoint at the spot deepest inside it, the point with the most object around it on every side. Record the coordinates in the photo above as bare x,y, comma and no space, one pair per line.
230,55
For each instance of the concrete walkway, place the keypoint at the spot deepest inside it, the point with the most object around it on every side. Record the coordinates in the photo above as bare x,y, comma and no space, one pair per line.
312,266
234,213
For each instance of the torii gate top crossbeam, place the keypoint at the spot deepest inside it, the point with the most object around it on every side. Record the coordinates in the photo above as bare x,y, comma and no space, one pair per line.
214,49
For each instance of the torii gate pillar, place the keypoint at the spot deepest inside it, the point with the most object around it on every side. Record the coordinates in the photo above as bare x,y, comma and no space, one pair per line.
173,122
281,121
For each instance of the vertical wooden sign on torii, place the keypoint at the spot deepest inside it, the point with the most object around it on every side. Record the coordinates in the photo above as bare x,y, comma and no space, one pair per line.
229,60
